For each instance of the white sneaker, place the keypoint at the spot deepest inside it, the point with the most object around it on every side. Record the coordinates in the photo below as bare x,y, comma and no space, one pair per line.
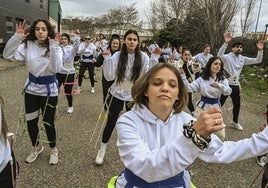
92,90
70,110
53,156
79,89
261,160
34,154
236,126
100,156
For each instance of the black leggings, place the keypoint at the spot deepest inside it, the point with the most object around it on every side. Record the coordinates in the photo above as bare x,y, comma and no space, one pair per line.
6,174
235,96
69,79
34,103
83,67
190,104
115,108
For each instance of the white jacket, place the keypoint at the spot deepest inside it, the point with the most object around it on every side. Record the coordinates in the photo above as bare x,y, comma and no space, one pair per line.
110,65
234,64
155,150
37,63
69,52
205,89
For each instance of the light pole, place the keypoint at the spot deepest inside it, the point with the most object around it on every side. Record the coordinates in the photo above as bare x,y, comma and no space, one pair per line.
258,17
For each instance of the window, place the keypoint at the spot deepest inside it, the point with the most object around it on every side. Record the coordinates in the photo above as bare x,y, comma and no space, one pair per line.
8,19
9,29
41,6
9,24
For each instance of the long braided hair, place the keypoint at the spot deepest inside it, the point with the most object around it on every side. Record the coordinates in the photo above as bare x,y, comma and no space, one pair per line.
4,129
32,37
123,58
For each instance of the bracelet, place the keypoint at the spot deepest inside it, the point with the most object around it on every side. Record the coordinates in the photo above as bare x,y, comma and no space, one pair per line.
201,142
188,129
189,132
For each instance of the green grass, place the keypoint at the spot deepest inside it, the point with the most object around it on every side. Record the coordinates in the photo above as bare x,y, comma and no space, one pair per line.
255,87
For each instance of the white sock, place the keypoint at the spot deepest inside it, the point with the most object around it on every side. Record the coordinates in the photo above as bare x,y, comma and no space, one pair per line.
103,145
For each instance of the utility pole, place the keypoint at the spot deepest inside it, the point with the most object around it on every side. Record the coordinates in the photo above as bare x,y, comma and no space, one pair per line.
264,35
258,17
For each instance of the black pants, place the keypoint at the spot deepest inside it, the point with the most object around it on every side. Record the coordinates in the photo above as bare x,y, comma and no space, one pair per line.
67,81
48,108
6,174
116,106
235,96
105,88
190,105
83,67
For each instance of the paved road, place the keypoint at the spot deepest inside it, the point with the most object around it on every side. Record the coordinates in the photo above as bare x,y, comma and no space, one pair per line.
76,166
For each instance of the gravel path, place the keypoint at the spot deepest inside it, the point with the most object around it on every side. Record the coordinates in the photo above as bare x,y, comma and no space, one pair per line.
76,166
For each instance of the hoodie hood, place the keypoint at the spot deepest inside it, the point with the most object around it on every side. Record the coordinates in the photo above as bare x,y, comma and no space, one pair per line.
161,130
144,113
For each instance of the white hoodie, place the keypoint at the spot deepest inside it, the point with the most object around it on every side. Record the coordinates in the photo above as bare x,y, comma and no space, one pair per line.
155,150
37,63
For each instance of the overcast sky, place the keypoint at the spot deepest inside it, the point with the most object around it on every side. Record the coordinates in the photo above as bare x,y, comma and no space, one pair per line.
100,7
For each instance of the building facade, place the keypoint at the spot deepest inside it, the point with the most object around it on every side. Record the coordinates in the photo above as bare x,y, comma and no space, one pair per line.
14,11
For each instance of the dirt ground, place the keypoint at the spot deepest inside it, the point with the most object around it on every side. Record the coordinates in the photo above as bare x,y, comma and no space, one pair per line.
77,143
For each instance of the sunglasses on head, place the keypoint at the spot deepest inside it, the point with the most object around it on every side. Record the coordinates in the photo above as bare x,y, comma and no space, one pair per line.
87,38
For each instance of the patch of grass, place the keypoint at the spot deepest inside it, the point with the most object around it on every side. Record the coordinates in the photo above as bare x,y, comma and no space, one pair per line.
254,77
254,84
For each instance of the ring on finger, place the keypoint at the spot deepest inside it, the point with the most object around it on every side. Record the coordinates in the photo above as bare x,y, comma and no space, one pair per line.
217,121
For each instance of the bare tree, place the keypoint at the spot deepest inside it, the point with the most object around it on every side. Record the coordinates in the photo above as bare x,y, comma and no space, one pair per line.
152,17
177,9
115,20
162,11
248,17
218,16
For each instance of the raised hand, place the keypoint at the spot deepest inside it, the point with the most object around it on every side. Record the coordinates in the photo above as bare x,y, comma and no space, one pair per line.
227,37
56,39
21,27
260,45
77,32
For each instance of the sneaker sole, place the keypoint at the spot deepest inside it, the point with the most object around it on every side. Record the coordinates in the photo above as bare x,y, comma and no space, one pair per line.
98,162
53,163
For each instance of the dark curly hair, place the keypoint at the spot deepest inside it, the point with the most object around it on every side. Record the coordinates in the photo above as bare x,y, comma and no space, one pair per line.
222,74
32,37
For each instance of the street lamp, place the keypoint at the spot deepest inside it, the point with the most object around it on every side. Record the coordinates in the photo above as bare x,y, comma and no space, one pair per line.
264,35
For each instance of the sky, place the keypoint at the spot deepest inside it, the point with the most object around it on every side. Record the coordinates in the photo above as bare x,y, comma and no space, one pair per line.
100,7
